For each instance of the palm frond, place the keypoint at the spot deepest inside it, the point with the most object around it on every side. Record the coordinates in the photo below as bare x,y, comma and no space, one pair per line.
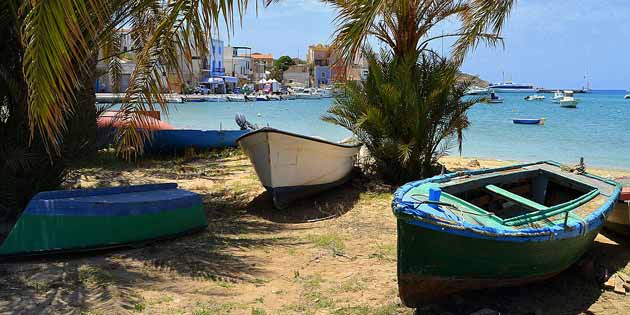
182,26
57,35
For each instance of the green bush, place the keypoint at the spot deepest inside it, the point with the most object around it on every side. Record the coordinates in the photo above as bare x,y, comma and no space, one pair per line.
408,113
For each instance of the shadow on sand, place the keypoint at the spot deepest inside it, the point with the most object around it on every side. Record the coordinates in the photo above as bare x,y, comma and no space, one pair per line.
324,206
571,292
106,279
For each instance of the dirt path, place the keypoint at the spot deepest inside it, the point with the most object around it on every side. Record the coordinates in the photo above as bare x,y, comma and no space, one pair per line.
332,255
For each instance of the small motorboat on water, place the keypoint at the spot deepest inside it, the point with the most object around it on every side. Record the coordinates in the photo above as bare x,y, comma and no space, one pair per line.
619,219
475,90
535,97
195,99
236,98
557,96
528,121
568,101
274,97
288,96
495,227
494,98
262,98
308,94
217,98
250,98
173,99
89,219
292,166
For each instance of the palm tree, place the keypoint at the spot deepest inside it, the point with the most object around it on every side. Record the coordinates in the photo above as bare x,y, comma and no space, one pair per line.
410,108
62,36
47,64
405,25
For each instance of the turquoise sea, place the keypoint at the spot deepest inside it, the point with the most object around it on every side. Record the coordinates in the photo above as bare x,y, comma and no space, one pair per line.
598,130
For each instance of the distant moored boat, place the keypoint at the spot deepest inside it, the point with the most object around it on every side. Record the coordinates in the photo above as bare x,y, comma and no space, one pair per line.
619,219
527,121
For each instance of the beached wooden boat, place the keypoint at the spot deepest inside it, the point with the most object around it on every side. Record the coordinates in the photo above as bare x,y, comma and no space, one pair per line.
619,220
178,139
495,227
528,121
85,219
292,166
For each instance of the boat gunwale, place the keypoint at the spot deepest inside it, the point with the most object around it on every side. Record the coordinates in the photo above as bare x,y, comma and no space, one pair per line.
287,133
592,221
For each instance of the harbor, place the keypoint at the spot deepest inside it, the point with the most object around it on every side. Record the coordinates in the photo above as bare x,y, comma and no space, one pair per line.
314,158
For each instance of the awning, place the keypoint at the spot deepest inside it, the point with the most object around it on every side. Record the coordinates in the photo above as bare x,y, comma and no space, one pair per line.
215,80
229,79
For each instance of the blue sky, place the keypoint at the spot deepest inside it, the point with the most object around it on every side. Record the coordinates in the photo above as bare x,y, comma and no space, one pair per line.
548,43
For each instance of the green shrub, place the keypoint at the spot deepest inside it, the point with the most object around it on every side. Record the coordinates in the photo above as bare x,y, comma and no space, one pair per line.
408,113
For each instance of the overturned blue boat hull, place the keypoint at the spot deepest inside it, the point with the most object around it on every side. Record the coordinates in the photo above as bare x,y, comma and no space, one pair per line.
169,140
87,219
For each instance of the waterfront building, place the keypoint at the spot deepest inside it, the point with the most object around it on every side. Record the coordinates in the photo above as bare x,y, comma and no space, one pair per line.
319,59
296,74
238,62
262,64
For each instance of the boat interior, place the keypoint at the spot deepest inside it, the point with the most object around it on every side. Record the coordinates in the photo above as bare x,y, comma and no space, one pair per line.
515,194
529,196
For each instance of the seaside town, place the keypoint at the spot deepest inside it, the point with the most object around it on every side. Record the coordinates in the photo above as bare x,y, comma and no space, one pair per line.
234,157
229,70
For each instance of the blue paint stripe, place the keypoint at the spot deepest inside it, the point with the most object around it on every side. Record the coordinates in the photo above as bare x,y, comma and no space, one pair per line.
60,194
133,203
180,139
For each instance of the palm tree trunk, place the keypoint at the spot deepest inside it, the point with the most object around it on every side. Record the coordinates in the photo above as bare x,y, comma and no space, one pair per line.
80,138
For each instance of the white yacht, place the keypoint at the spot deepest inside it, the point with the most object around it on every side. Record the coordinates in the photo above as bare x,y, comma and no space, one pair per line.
510,87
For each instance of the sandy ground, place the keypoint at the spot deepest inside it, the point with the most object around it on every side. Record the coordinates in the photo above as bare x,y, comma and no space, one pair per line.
334,254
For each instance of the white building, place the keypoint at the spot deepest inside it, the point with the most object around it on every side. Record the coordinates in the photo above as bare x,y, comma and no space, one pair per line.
296,74
238,62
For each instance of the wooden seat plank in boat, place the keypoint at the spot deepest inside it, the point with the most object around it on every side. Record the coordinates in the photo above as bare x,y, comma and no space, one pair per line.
516,198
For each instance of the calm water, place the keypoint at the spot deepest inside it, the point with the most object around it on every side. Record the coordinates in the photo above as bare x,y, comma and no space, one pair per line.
598,130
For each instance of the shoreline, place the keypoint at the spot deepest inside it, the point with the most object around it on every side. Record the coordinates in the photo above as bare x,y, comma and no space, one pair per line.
466,162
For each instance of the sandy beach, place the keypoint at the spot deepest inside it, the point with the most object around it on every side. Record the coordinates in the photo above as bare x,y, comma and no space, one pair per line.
332,254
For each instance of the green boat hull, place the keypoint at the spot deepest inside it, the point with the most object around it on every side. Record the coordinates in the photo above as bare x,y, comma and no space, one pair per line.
79,220
432,264
89,232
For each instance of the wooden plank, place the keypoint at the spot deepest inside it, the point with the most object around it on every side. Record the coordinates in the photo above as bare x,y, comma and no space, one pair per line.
516,198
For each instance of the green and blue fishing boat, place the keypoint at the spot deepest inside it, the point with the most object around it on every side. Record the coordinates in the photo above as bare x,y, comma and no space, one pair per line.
87,219
495,227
